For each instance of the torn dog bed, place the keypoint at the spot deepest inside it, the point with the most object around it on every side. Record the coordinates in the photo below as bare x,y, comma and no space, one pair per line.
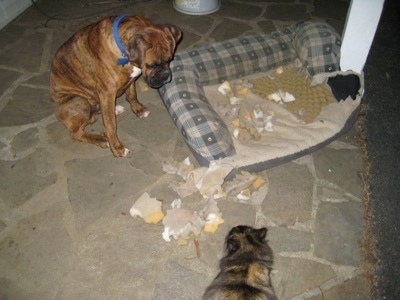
193,101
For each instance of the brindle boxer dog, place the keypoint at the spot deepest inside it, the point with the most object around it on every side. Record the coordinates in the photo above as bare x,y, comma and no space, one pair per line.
101,62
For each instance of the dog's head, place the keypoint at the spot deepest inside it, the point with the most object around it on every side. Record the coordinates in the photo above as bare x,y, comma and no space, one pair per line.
152,49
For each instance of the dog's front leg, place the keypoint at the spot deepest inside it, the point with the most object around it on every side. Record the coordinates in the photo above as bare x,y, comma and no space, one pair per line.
107,105
138,108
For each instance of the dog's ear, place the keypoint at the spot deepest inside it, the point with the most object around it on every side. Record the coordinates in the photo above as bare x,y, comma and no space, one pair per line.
175,31
136,49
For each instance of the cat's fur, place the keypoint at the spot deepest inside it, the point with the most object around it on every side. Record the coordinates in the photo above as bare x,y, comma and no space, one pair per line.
245,269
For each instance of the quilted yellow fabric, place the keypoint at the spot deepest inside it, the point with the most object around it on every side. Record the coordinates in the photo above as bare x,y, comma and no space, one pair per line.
309,99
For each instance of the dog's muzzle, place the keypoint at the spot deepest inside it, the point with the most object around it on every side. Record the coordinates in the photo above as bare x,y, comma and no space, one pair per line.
160,78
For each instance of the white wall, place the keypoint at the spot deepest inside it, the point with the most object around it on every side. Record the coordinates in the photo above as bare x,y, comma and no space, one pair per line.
9,9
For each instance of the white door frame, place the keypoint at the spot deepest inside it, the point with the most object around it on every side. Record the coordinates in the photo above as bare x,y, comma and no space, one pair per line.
359,31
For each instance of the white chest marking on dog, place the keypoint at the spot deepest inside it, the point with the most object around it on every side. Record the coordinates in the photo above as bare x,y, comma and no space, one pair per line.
135,72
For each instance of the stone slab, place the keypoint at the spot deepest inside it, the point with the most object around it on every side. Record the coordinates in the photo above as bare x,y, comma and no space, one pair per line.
341,167
309,274
36,255
25,51
338,229
7,77
27,105
289,240
97,185
25,177
25,140
289,197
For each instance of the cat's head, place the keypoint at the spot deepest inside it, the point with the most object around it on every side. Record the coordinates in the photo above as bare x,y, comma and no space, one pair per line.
246,238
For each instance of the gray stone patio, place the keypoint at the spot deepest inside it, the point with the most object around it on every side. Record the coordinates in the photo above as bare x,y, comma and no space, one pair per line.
65,228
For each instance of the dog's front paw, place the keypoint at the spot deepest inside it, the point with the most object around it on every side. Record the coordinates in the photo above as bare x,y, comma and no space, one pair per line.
140,110
144,114
126,152
120,151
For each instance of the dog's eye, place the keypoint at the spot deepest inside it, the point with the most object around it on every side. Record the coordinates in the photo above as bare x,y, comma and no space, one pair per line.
156,65
153,66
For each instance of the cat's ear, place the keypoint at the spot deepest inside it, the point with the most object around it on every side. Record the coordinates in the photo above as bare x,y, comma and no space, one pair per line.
261,234
232,245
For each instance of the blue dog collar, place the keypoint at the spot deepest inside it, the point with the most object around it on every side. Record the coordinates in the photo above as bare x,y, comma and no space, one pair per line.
124,59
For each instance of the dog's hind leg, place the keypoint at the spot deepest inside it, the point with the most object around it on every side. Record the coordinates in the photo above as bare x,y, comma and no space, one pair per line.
76,114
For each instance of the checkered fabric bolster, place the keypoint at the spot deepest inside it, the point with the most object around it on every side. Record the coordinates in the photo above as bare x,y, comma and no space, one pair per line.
200,126
318,47
184,97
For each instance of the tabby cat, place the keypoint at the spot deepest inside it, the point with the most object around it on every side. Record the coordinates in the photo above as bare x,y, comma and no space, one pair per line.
245,269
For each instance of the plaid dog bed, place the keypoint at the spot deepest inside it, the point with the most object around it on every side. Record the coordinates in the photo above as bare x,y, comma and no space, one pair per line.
316,45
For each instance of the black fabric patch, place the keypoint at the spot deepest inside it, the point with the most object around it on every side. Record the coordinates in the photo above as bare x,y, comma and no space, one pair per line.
343,86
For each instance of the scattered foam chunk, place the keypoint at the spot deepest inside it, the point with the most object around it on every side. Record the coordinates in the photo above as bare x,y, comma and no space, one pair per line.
147,208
